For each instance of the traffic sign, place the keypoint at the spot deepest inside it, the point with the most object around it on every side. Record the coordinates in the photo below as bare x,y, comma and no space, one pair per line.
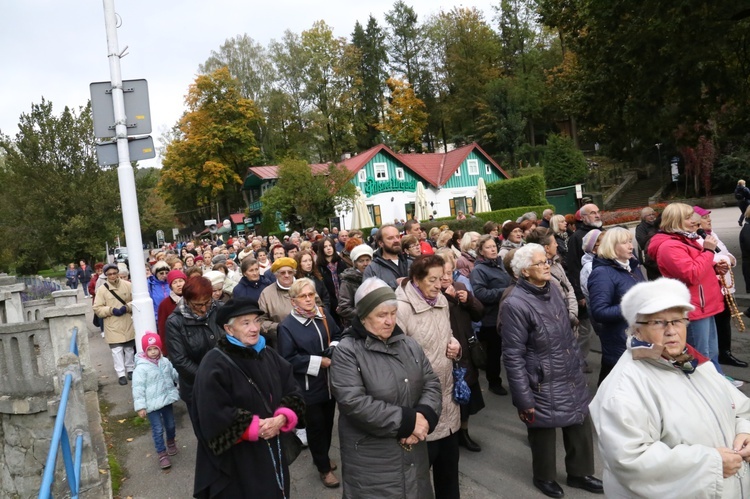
140,149
137,110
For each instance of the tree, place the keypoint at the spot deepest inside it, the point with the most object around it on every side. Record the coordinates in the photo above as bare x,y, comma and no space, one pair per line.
155,213
58,204
405,119
564,164
207,162
369,82
305,200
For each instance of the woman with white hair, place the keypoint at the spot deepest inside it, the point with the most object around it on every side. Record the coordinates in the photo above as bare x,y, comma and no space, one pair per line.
465,263
669,424
545,374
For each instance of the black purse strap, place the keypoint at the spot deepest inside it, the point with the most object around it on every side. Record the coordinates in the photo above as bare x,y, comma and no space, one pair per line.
249,379
115,294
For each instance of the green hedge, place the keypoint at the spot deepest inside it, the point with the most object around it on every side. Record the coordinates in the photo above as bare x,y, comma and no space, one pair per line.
476,224
520,191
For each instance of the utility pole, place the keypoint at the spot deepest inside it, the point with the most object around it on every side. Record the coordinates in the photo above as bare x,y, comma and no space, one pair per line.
143,307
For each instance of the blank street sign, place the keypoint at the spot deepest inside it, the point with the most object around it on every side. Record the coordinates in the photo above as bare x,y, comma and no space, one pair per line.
137,111
140,149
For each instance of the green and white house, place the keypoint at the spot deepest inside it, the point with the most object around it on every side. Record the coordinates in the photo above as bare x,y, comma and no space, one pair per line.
389,182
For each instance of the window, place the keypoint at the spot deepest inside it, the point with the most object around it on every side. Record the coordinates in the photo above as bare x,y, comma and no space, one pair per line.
487,169
458,172
400,173
381,171
362,175
473,166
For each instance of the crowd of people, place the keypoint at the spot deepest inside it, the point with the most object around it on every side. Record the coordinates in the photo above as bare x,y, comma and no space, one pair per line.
268,338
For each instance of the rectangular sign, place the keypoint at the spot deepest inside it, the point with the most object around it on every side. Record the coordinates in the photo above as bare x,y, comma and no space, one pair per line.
137,109
139,149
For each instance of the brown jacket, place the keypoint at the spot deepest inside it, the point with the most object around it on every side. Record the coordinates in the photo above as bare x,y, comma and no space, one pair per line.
431,327
116,329
277,305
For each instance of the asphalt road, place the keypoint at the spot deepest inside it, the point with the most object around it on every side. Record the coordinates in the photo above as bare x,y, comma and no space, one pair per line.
501,470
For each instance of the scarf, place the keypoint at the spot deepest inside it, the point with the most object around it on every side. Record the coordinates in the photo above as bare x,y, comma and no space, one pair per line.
689,235
430,301
175,298
145,356
307,314
186,311
625,265
257,347
685,362
333,268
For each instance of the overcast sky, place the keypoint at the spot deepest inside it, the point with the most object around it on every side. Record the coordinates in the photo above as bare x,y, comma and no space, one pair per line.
55,49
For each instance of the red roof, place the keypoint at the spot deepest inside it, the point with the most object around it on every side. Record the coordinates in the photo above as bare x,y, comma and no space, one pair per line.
435,168
237,218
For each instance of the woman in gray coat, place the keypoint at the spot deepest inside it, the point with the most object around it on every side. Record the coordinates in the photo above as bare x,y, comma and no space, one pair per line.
389,399
545,374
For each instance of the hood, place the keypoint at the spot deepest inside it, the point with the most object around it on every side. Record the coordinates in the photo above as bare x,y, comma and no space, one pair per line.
351,275
586,258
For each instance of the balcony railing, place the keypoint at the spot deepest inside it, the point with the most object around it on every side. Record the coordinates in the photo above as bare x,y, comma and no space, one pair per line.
255,206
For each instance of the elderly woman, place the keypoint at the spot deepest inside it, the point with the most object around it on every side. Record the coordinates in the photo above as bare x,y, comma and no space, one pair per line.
383,420
192,331
669,424
464,309
351,279
274,300
545,374
465,263
679,255
423,314
560,228
252,283
614,271
239,423
306,339
488,281
176,280
218,278
512,238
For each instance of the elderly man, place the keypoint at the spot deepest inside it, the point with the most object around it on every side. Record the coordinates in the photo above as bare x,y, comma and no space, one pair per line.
413,228
112,304
546,215
389,264
343,237
643,233
274,299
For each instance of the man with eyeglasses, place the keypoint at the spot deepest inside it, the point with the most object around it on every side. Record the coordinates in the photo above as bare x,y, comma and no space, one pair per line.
113,304
274,299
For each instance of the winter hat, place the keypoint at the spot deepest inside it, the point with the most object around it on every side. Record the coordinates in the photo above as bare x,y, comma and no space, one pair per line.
245,253
216,277
701,211
111,266
589,240
371,300
283,262
219,259
359,251
654,296
160,265
198,258
510,227
151,339
174,275
123,269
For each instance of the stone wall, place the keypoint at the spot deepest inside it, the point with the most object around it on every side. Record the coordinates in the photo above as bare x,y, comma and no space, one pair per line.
34,361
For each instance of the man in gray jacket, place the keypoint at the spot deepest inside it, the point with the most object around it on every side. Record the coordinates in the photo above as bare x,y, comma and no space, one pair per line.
389,263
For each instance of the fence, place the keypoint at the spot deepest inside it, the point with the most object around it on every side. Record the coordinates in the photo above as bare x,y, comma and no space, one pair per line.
60,439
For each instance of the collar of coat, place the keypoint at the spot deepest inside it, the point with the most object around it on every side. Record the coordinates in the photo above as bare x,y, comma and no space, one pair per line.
642,350
237,351
408,294
358,331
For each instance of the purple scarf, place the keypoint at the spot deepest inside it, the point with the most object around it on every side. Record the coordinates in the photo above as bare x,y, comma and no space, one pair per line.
430,301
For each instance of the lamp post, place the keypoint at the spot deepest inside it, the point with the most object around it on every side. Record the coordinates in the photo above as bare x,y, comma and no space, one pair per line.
658,151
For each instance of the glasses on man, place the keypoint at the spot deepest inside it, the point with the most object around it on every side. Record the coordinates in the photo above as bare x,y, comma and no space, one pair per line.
663,324
111,274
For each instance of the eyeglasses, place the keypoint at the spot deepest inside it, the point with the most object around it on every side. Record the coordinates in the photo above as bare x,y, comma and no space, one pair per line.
305,296
285,272
163,272
111,274
540,264
662,324
199,306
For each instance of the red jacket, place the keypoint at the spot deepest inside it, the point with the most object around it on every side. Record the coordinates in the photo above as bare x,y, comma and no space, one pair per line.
685,260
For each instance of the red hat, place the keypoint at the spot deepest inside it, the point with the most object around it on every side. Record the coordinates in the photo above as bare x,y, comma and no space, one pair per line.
151,339
175,274
578,216
199,258
701,211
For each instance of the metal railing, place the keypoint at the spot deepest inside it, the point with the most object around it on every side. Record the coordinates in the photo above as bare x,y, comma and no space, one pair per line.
60,439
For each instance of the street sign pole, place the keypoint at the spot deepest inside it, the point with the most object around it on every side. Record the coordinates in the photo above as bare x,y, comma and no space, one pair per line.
143,307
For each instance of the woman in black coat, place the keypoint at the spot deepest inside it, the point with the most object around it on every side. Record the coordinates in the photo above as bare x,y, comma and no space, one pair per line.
306,268
239,424
545,374
331,267
192,331
464,309
306,339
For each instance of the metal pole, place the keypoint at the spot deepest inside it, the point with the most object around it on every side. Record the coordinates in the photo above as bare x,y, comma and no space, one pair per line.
143,307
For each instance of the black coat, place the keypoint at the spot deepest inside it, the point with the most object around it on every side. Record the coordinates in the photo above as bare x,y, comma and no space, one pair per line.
488,280
386,269
333,295
302,345
542,360
462,314
575,253
250,289
225,404
188,340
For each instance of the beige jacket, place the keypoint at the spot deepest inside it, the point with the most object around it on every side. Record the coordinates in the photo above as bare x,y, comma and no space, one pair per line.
116,329
431,327
275,302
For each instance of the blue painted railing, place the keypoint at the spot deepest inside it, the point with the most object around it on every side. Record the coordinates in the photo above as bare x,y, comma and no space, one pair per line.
60,439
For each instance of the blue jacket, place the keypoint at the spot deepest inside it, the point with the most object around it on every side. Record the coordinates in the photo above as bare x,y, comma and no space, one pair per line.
607,284
154,385
302,344
158,290
488,281
250,289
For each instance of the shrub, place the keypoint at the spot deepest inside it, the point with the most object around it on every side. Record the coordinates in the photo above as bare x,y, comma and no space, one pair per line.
520,191
476,224
564,164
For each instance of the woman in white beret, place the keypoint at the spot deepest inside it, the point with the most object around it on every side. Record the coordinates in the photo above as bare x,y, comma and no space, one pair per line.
669,424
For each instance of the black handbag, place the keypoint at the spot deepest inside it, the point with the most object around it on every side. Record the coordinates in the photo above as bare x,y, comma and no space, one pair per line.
477,352
291,445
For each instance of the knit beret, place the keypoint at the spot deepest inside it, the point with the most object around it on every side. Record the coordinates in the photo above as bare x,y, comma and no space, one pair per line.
371,300
175,274
110,266
654,296
216,277
361,250
283,262
589,240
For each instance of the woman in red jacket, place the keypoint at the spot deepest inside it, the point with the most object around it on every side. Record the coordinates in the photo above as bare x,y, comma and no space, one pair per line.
679,255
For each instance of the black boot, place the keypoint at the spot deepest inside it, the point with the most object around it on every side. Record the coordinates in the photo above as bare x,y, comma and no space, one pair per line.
728,359
464,440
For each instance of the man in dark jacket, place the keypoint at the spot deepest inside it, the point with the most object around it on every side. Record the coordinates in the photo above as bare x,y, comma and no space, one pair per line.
389,264
742,195
645,229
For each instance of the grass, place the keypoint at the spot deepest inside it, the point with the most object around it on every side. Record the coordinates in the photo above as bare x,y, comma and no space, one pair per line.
116,433
57,272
